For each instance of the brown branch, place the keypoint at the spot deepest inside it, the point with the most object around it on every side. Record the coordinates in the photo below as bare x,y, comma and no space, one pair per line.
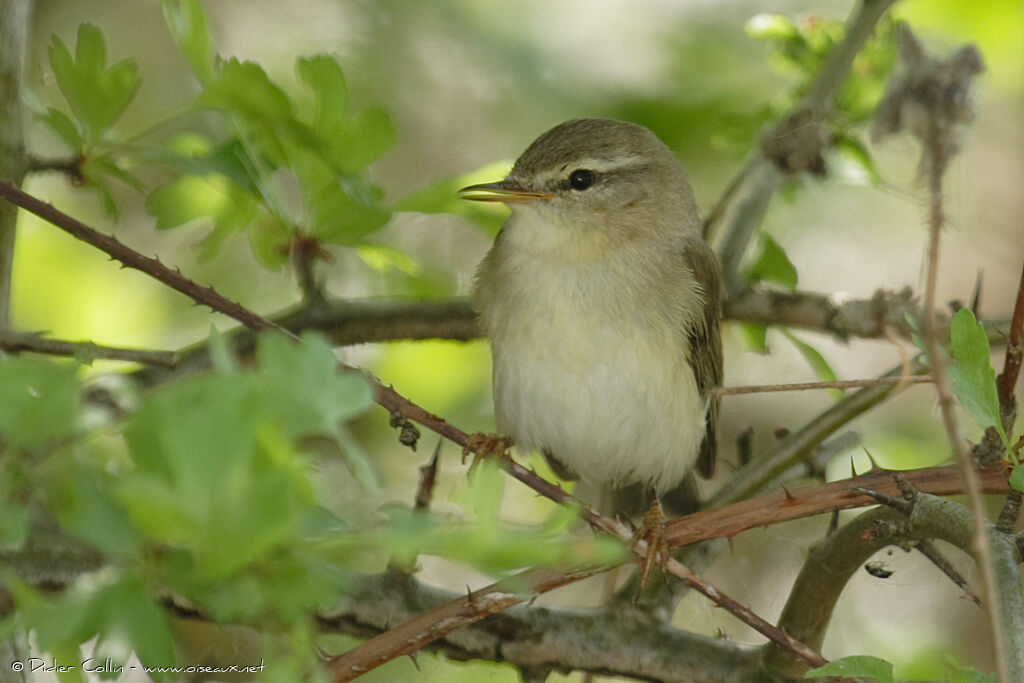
833,384
14,342
71,167
385,396
350,322
931,100
722,522
1014,353
130,258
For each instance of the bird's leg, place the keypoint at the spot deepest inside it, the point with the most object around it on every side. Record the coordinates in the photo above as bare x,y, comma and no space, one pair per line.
483,445
652,531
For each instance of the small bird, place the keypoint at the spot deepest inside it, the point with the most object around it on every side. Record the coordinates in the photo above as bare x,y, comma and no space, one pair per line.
602,304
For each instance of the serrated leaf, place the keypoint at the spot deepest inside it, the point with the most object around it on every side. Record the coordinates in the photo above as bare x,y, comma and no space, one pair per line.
309,391
187,23
38,401
64,127
971,373
243,89
97,95
335,217
855,666
351,142
323,75
213,462
773,265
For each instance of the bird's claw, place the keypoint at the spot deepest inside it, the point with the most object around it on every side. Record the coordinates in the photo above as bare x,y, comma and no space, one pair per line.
652,532
482,445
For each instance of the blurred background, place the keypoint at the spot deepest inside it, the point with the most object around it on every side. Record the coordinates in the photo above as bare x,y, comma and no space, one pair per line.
469,83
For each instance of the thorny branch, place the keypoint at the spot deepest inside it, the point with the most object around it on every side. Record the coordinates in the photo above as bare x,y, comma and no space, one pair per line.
931,100
394,403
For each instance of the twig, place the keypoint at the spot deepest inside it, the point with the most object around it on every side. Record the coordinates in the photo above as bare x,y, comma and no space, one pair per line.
385,396
931,99
71,166
1014,353
133,259
428,478
834,384
795,446
721,522
795,143
942,563
13,341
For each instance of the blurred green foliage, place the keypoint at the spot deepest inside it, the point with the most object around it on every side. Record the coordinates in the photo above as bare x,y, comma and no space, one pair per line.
207,488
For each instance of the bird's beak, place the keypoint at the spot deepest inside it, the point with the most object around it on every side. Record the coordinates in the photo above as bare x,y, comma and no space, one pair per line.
507,191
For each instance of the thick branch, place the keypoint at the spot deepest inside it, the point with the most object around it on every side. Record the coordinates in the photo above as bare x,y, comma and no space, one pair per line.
14,31
830,564
536,637
350,322
13,342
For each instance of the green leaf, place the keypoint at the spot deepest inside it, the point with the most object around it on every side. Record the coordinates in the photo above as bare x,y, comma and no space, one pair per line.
98,96
773,265
306,379
771,27
971,374
1017,478
96,166
857,156
756,337
817,362
323,75
351,142
243,89
221,355
862,666
84,507
442,196
187,23
212,198
211,464
64,127
38,401
335,217
129,621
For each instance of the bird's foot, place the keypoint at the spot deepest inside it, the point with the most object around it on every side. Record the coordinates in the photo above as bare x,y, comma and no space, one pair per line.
482,445
652,532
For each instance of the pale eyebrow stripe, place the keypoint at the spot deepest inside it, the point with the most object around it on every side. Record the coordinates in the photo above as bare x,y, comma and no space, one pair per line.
599,165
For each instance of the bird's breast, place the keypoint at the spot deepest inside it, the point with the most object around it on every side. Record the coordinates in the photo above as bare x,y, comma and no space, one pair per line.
591,364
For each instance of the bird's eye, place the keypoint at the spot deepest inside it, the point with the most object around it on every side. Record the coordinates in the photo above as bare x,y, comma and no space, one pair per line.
581,179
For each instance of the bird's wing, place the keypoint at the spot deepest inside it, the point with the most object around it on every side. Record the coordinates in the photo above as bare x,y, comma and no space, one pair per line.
705,344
